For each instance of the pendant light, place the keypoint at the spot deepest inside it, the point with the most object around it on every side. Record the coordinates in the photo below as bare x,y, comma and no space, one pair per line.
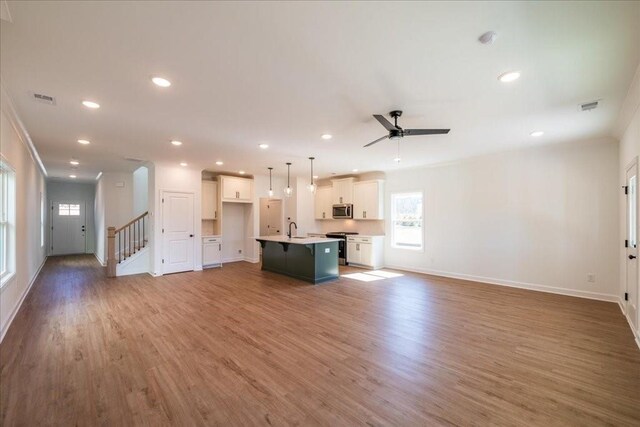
288,191
312,186
270,187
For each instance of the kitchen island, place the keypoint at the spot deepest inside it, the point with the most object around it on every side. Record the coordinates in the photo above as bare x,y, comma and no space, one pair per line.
312,259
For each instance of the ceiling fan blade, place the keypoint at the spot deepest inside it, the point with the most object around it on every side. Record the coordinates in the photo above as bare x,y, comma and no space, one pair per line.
376,141
384,122
413,132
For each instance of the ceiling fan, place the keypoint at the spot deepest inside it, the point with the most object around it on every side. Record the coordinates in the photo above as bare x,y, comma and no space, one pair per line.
396,132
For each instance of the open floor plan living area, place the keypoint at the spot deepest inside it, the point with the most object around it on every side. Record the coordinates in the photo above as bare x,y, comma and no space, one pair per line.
332,213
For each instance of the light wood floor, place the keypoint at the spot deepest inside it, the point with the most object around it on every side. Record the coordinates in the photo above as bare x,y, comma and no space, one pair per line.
241,347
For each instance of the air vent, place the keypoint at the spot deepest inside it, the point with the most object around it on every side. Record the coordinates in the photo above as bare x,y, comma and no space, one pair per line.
45,99
131,159
588,106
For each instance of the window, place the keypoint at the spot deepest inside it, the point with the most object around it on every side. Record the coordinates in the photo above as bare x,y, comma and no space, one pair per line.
7,221
406,221
66,209
42,219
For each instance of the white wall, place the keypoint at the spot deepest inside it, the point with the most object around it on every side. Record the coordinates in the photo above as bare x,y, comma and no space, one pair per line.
83,192
629,150
113,206
140,191
540,218
30,184
100,222
169,177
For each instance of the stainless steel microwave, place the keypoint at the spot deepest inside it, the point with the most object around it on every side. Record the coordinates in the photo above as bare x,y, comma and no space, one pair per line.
342,211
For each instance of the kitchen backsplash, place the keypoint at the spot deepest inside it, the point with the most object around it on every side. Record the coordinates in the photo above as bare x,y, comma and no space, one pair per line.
207,227
372,228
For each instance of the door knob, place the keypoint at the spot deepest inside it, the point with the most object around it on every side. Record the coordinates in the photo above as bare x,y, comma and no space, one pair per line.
632,257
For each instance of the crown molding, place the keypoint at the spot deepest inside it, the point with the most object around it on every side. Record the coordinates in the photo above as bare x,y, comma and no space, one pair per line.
9,109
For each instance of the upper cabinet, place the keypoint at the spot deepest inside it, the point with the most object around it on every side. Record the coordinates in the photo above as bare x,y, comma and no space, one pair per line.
235,189
368,198
342,191
323,205
209,200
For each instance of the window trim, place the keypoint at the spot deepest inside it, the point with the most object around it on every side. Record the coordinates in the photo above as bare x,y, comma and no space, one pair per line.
8,250
392,221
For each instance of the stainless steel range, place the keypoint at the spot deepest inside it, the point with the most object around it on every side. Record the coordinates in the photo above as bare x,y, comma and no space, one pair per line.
342,244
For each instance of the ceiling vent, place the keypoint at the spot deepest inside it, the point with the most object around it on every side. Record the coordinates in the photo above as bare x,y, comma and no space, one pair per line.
45,99
588,106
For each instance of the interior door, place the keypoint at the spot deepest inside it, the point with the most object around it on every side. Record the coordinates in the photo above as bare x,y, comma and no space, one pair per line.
274,222
177,232
68,227
632,244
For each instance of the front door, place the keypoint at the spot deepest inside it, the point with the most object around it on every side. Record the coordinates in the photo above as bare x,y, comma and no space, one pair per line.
67,228
632,244
177,232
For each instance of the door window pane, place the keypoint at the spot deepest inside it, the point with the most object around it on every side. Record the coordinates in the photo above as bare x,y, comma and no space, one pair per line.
633,233
63,209
406,220
74,210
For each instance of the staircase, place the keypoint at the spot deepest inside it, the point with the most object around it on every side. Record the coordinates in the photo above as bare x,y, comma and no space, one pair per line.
125,242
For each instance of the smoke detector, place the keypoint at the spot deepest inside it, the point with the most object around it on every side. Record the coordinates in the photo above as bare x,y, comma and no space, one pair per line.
588,106
45,99
488,38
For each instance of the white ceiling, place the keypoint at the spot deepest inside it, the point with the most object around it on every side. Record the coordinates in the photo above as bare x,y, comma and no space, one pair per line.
284,73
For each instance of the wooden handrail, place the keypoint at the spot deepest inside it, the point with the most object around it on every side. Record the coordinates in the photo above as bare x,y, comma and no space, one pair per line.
131,222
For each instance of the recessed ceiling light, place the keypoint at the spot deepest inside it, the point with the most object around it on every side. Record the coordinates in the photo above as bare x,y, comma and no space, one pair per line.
84,142
326,136
264,146
176,143
219,163
74,162
159,81
91,104
183,164
241,172
536,133
355,170
509,76
72,176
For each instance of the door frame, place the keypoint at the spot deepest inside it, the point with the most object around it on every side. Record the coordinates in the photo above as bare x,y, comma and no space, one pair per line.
196,235
626,303
52,205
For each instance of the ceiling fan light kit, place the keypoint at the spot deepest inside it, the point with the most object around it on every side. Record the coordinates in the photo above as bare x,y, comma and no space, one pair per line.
396,132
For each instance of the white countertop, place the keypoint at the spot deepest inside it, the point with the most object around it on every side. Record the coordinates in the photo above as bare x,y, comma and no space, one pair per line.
297,240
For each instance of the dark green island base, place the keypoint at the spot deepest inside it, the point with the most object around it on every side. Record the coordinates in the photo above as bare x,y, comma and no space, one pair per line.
312,260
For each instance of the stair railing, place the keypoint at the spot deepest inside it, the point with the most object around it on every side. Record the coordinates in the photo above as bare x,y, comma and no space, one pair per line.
125,241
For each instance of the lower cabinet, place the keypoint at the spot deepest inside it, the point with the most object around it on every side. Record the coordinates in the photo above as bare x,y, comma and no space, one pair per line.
366,251
211,252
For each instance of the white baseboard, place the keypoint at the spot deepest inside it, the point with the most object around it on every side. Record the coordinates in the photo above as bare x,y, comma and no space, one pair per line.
234,259
636,334
513,284
102,263
16,308
252,260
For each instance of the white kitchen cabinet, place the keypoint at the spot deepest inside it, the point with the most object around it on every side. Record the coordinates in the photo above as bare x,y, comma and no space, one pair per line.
342,191
368,199
235,189
209,200
323,206
211,251
365,251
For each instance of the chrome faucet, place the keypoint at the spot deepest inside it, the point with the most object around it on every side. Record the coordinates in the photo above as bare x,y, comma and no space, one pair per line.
290,224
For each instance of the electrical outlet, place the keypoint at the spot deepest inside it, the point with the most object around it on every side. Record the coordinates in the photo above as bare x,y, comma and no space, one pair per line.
591,277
